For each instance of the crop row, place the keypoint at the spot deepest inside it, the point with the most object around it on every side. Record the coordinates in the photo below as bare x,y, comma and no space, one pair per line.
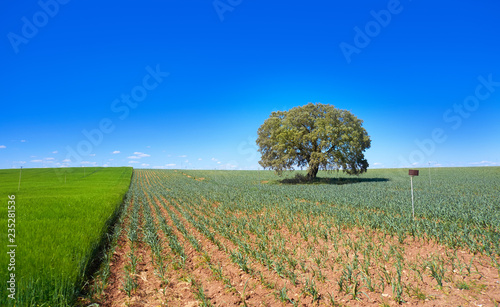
300,249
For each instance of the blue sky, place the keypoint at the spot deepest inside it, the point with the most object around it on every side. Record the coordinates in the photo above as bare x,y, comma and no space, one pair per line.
186,84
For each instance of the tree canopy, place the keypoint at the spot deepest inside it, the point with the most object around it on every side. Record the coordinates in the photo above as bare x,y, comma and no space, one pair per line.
318,136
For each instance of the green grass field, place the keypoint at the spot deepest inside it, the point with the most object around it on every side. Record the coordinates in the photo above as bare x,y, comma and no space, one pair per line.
250,216
61,217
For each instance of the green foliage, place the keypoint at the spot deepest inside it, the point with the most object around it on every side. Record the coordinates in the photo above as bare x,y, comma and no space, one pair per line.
319,136
460,209
462,285
310,289
62,218
282,295
251,223
248,221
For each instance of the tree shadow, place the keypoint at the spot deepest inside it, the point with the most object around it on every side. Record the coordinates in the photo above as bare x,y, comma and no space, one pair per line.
335,181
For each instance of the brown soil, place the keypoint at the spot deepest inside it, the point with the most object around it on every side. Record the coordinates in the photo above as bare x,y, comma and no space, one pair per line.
469,280
421,289
244,283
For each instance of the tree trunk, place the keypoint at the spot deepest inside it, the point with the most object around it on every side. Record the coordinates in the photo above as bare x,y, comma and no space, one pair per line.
312,172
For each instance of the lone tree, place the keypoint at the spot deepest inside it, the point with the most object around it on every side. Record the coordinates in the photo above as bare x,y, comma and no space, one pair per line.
319,136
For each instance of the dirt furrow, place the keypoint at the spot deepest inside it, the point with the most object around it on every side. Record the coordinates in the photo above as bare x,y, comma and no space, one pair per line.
113,293
263,281
246,285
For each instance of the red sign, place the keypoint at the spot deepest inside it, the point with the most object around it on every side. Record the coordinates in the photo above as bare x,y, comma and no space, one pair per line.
413,172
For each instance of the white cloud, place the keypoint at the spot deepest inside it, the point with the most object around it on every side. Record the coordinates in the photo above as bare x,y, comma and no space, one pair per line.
199,159
66,160
377,163
171,164
144,164
218,162
23,141
55,151
88,163
484,163
92,155
141,154
182,156
116,152
49,158
36,161
130,162
230,165
148,146
138,155
213,159
105,165
3,146
19,162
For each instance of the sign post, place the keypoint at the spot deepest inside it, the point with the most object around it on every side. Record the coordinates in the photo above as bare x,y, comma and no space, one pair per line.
412,172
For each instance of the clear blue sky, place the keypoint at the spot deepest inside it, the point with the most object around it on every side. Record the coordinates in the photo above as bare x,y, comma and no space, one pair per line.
202,76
